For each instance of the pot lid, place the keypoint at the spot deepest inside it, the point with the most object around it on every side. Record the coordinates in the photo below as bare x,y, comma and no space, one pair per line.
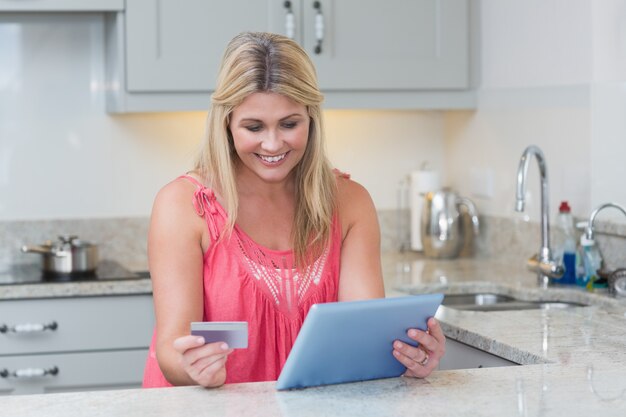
70,241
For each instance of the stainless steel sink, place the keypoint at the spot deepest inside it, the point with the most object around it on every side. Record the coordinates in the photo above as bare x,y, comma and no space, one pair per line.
499,302
475,299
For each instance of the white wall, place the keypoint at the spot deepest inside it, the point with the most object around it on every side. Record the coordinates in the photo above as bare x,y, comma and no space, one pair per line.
492,140
380,148
608,102
535,43
63,156
552,75
608,150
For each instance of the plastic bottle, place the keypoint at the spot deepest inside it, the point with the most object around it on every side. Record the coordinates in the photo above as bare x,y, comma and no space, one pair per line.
565,244
591,263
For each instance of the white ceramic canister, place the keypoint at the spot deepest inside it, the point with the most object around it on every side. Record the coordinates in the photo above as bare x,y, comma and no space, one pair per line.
422,182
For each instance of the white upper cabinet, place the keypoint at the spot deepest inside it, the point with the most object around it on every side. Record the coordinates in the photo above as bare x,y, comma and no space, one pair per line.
61,5
384,45
177,46
164,55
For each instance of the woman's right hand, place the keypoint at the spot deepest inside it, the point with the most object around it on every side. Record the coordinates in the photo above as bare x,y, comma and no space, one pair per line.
204,363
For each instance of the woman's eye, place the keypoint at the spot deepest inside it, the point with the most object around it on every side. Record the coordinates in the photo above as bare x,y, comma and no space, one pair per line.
253,128
290,125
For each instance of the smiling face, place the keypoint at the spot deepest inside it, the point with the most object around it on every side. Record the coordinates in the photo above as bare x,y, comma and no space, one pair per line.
270,133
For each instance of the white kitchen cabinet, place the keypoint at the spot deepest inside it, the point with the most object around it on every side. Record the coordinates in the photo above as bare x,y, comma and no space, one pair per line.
71,344
176,47
163,55
461,356
74,371
383,45
61,5
363,45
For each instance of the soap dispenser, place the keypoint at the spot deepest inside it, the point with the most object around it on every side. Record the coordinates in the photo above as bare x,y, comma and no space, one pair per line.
590,260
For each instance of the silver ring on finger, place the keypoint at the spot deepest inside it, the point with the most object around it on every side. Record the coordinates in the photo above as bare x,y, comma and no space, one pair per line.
424,361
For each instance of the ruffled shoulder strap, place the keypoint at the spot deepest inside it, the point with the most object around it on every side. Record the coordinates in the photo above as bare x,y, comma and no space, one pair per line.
340,174
206,205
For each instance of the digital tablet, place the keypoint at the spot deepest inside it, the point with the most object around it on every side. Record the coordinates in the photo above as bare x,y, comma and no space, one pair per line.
353,340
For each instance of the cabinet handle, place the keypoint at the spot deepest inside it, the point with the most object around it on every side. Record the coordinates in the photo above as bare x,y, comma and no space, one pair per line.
290,20
29,327
29,372
319,27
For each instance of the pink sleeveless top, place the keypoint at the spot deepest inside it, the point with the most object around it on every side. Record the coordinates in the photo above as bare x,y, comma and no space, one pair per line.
244,281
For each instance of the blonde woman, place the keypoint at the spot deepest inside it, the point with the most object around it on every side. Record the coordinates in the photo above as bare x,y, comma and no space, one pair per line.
262,229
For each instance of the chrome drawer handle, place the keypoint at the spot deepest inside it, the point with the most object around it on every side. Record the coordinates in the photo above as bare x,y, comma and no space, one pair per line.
29,327
319,27
290,20
29,372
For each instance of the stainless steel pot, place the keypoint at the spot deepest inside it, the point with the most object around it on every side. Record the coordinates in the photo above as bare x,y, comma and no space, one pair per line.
67,256
442,232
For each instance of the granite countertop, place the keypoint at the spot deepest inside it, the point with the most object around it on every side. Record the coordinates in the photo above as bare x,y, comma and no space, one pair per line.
112,279
76,289
574,362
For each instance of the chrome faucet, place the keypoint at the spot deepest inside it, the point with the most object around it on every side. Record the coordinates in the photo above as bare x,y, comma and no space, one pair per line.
542,262
592,218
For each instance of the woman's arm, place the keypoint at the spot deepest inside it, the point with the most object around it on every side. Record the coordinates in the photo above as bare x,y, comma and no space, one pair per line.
175,252
360,274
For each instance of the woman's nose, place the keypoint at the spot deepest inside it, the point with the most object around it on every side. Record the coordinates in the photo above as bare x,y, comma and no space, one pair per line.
271,142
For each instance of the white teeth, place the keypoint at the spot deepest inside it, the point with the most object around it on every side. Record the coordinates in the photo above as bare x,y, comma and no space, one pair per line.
272,159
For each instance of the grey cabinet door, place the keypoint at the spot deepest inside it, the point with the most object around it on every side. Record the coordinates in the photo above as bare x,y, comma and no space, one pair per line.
61,6
76,371
389,45
95,343
80,324
174,46
365,45
373,53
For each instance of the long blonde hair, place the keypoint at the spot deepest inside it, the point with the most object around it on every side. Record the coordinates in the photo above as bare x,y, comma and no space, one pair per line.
265,62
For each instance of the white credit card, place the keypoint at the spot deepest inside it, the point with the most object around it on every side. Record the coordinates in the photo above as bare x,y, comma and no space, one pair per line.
234,333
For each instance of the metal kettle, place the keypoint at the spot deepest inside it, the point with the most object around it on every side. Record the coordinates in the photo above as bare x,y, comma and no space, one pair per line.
442,231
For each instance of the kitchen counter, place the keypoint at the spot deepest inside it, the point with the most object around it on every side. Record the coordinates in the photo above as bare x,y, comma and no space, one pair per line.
574,362
76,289
122,286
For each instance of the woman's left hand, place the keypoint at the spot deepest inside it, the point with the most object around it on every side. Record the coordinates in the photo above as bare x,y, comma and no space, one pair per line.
422,360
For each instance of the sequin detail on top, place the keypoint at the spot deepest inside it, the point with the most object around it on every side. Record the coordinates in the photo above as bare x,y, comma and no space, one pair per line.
274,272
276,275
